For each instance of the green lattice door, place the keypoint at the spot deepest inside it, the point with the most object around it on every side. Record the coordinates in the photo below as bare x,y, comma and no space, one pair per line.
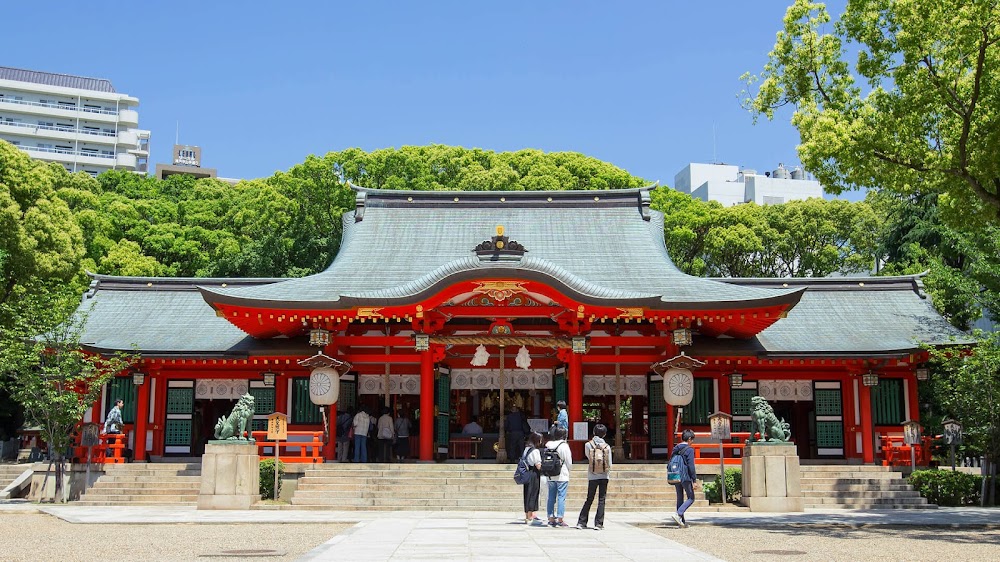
741,400
263,405
442,423
658,422
829,416
121,388
180,410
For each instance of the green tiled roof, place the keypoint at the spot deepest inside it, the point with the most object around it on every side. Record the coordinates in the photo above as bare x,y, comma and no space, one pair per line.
599,246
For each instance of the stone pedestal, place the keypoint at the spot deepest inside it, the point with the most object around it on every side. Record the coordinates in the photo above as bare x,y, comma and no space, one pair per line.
230,475
772,478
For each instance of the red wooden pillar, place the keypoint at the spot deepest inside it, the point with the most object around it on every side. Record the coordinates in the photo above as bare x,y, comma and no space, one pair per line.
330,448
911,396
725,396
867,427
575,390
141,420
426,406
281,394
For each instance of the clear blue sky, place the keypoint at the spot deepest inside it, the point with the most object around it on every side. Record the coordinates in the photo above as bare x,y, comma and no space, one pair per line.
260,85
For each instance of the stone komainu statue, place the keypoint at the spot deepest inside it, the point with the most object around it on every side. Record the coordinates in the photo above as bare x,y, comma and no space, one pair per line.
232,427
766,423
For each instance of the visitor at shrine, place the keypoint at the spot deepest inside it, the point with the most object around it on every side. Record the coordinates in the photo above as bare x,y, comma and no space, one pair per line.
344,422
562,420
688,475
386,429
113,424
598,471
403,426
559,483
362,424
533,458
472,428
515,427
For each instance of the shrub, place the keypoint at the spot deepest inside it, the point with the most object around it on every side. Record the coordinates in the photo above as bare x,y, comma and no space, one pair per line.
947,488
734,487
267,478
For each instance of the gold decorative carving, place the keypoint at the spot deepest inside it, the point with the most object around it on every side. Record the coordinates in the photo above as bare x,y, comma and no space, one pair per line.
499,290
631,312
370,312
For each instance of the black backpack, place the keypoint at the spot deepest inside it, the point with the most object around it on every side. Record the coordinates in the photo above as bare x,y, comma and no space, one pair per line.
521,473
551,462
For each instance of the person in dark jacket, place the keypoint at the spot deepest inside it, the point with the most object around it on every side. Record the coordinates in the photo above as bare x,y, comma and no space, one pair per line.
686,451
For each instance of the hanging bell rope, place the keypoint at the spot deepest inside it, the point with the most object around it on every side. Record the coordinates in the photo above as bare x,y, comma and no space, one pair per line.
555,343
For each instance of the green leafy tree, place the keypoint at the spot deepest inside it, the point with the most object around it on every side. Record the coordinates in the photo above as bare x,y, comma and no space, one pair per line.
916,112
966,386
44,369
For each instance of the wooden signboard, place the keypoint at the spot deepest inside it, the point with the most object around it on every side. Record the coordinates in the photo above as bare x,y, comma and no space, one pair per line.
90,437
277,427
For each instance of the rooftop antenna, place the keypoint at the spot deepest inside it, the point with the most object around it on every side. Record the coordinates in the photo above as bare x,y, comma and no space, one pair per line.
714,159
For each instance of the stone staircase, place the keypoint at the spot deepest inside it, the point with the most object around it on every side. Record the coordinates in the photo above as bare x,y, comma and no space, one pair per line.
145,484
858,487
471,486
9,472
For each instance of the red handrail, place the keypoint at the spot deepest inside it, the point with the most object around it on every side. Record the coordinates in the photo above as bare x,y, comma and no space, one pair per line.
308,451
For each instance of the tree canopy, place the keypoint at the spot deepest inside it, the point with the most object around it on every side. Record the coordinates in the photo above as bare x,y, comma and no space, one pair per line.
916,113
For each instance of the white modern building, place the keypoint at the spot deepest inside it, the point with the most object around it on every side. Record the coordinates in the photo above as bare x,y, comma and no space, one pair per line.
82,123
730,185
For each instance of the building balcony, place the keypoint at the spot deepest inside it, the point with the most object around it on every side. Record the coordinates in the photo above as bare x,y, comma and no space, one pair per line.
57,132
61,110
126,160
129,117
70,156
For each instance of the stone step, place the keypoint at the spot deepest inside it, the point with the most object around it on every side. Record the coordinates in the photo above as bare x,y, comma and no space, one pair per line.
158,478
884,487
861,494
867,506
103,488
867,501
135,498
485,487
136,503
844,467
456,503
150,473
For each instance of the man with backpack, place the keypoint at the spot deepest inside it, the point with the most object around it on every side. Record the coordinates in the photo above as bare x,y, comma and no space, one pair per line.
598,470
556,461
681,473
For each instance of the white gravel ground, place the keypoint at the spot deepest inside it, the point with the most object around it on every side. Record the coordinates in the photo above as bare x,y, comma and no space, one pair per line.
41,537
820,543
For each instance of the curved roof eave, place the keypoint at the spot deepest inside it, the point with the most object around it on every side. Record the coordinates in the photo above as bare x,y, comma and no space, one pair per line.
528,269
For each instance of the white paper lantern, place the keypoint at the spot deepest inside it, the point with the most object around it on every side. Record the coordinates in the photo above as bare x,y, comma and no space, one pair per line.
324,386
678,387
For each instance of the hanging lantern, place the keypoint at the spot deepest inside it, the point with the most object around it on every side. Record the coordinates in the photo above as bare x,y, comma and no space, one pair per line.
678,386
324,386
319,337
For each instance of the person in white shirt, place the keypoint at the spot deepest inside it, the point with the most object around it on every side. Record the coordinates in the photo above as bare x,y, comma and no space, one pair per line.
362,422
559,484
385,432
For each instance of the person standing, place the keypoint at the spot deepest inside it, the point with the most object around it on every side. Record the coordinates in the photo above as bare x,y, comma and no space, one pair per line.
533,458
403,426
559,484
514,429
688,474
562,419
598,472
362,422
113,424
344,422
386,433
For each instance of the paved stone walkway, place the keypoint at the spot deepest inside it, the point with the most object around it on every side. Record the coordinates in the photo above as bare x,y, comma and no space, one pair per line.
415,535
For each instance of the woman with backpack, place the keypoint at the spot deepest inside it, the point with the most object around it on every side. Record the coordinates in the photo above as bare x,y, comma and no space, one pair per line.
682,458
533,459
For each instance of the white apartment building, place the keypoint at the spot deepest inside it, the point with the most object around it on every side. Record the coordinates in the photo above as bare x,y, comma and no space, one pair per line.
729,185
82,123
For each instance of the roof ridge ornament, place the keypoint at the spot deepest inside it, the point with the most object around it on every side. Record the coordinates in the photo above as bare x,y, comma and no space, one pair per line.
499,247
360,197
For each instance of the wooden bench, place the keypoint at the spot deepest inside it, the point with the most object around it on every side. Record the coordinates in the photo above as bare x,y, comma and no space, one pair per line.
301,447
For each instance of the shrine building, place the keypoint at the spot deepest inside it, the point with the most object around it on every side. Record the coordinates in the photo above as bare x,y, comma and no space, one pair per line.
569,294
